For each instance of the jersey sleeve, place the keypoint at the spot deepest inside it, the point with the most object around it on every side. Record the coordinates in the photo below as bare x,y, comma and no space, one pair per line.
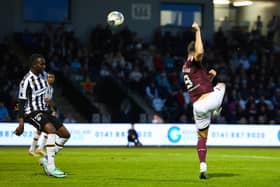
49,94
23,89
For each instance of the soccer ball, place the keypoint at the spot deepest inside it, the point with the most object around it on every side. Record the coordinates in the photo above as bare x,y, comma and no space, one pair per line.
115,18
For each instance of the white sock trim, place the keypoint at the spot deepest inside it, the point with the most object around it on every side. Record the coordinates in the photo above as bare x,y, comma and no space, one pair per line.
203,167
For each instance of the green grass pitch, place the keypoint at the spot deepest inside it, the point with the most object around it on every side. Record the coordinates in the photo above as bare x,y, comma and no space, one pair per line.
145,167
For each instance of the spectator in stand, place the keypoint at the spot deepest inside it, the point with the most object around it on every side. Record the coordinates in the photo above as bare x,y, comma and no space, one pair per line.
135,77
226,26
4,94
164,84
277,116
158,62
183,118
276,98
243,120
4,114
169,62
157,118
54,64
152,91
258,25
272,28
69,118
104,70
158,104
244,62
261,119
88,85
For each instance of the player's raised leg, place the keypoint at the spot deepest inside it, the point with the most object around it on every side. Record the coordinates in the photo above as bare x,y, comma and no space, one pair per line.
49,163
219,92
64,136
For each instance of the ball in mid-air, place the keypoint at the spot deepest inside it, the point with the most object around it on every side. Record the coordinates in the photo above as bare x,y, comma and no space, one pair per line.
115,18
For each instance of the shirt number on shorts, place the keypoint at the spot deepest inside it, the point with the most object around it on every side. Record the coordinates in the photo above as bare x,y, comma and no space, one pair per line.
38,117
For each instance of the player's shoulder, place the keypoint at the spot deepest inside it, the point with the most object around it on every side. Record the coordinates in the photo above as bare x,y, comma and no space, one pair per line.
26,77
189,60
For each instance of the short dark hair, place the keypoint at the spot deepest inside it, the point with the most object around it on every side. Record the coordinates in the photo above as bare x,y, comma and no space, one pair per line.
51,72
191,47
33,58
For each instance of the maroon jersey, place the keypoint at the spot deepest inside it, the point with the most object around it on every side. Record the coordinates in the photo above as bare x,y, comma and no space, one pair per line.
196,79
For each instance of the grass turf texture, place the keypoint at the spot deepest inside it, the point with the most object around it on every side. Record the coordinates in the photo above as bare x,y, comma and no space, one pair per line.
170,167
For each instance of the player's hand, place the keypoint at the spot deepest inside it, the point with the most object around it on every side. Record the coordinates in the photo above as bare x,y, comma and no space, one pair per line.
53,113
48,101
16,107
195,26
19,130
211,74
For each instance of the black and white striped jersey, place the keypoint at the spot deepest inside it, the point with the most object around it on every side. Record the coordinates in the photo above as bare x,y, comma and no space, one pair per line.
49,94
33,89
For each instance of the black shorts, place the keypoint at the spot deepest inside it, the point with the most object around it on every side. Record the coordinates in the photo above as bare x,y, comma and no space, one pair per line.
39,119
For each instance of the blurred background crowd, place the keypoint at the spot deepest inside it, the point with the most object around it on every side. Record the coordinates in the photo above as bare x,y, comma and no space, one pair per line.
120,77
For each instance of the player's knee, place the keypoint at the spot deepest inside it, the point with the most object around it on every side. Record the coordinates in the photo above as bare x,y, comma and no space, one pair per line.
203,134
49,128
221,85
66,135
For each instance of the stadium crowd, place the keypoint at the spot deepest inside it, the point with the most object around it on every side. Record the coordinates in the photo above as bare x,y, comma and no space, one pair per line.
246,61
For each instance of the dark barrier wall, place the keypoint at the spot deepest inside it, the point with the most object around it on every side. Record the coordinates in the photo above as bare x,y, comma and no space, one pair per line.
85,14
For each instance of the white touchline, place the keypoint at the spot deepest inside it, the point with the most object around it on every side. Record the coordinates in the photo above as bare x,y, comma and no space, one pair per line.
250,156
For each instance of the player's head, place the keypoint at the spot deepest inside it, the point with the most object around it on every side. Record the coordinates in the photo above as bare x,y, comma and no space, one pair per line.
51,78
38,63
191,48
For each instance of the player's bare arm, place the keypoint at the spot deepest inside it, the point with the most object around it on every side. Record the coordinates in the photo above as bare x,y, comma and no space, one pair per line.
16,108
198,54
49,101
19,130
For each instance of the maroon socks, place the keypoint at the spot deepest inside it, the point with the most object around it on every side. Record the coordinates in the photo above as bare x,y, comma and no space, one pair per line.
201,149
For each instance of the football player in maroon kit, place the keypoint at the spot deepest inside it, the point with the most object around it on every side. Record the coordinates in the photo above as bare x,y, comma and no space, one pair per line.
205,98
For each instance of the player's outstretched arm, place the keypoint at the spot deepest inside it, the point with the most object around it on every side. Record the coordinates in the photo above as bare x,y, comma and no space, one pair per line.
19,130
198,46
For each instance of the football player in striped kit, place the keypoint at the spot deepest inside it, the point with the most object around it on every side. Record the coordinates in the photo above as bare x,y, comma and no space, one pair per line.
34,109
49,100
